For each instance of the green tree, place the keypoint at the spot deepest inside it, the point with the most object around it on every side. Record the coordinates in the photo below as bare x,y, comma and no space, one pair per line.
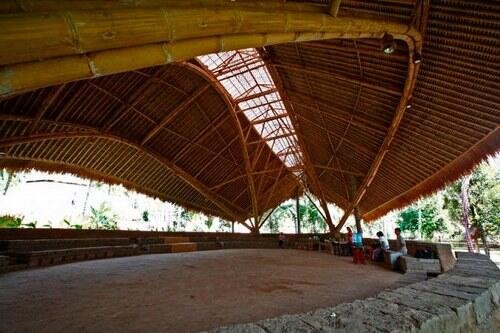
224,226
209,222
423,217
7,180
310,219
145,216
484,200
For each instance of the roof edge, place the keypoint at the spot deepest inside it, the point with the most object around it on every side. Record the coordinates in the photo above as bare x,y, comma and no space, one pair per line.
460,166
20,164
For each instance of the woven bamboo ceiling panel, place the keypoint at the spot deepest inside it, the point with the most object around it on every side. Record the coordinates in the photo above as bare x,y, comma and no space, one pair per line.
352,124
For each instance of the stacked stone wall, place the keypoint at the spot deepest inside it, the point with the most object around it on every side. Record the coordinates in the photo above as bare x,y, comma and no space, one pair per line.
464,300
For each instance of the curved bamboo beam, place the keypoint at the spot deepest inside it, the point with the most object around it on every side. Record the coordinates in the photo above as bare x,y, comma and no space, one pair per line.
35,36
404,103
243,142
227,207
309,170
16,6
91,45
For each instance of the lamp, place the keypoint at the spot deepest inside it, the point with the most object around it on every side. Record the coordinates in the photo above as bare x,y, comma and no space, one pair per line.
388,45
417,58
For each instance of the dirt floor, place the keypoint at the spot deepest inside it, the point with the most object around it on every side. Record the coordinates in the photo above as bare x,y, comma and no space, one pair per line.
185,292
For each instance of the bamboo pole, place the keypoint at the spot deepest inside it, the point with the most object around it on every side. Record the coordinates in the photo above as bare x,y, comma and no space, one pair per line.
113,46
232,106
391,133
334,7
17,6
35,36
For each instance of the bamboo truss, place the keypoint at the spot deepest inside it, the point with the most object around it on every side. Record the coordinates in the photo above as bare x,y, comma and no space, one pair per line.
236,73
344,109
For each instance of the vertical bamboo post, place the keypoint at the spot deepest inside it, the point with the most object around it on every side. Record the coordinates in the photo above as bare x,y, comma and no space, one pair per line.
297,207
357,215
464,194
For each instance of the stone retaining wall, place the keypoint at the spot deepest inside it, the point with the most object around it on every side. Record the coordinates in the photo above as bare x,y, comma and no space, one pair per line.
465,299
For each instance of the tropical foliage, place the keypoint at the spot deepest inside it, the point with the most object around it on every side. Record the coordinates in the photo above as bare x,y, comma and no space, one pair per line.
103,218
310,219
9,221
7,180
422,219
484,200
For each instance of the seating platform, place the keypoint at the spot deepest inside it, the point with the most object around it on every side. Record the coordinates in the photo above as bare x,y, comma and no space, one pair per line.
32,253
19,254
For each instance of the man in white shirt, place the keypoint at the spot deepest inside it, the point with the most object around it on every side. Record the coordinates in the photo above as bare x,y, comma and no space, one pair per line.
400,242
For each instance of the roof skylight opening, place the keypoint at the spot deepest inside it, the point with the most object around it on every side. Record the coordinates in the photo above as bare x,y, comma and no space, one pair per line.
244,75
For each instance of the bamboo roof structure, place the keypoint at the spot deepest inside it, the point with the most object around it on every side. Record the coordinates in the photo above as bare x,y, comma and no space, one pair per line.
232,107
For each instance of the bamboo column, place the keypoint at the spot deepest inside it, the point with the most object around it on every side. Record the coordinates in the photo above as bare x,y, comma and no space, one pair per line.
357,215
297,207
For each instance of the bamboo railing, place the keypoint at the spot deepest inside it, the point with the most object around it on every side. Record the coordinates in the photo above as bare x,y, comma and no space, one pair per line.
75,45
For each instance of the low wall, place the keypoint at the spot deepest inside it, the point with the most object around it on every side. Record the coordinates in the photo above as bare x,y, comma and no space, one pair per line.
21,233
465,299
443,251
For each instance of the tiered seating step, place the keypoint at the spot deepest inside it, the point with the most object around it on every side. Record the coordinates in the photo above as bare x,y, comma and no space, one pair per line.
16,246
175,239
181,247
59,256
4,260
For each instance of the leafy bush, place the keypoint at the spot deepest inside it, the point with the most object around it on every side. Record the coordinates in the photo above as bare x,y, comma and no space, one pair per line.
102,218
145,216
10,221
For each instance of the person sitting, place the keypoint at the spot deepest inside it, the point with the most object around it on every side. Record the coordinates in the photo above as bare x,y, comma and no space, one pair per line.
475,235
383,244
350,244
400,242
281,240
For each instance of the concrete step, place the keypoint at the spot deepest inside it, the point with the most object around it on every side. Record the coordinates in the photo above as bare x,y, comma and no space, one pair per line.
182,247
4,260
175,239
14,246
157,248
12,268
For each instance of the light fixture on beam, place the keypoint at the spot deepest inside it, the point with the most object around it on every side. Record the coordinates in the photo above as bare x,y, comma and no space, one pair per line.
417,58
388,44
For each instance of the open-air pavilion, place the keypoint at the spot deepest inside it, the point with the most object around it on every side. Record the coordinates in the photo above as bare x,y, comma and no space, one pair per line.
231,107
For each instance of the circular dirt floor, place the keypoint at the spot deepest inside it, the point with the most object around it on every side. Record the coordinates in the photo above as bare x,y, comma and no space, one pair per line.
185,292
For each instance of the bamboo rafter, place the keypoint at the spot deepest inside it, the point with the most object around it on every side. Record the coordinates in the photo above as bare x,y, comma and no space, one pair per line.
172,114
403,105
308,168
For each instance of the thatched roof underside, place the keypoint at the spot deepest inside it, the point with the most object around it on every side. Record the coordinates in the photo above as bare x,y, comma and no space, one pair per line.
344,94
107,128
173,131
